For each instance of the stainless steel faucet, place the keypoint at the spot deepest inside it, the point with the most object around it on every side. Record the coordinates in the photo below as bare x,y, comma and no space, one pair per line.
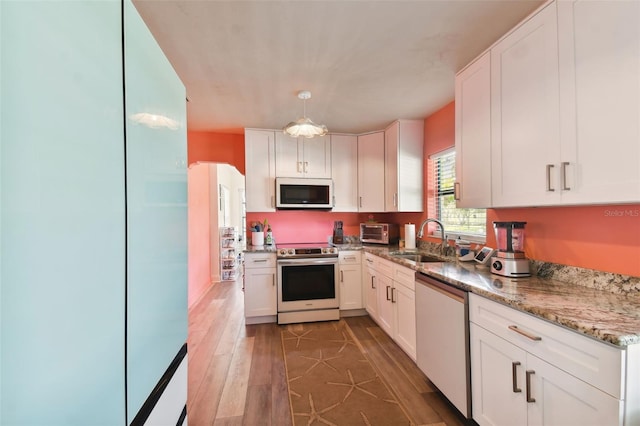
424,222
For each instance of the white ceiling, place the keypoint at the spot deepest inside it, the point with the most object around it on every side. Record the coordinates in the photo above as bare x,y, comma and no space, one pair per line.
366,63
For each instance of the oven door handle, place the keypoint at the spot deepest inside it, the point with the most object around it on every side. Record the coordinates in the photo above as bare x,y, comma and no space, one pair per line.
309,261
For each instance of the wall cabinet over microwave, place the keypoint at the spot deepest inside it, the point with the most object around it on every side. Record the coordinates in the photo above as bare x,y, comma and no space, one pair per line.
564,108
303,157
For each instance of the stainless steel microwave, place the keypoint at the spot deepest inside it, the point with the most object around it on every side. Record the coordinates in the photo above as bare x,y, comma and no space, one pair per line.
304,193
379,233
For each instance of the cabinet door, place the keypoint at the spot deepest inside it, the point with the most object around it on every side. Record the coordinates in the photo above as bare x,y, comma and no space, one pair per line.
289,156
599,45
369,289
384,288
404,307
562,399
344,171
316,161
371,172
391,147
525,144
473,135
260,292
350,287
497,393
260,174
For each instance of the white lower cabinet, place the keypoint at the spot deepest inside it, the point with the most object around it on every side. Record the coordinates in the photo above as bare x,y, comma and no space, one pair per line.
260,288
390,300
369,289
513,386
350,280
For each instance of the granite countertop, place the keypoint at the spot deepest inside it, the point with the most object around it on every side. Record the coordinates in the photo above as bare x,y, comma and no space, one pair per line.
268,248
606,316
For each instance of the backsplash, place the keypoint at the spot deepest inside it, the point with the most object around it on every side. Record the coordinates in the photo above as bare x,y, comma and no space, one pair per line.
607,281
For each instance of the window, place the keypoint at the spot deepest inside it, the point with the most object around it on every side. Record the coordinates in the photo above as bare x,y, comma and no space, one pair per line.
468,224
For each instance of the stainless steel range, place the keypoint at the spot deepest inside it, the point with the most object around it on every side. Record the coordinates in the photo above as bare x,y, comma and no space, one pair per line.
308,287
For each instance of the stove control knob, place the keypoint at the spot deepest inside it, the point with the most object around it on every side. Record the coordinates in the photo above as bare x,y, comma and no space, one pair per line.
497,265
283,252
331,250
291,251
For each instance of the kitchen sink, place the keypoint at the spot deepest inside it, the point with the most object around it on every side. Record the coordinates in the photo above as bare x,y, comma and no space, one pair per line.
417,257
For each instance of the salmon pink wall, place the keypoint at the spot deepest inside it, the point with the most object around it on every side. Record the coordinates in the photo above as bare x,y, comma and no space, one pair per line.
295,226
217,148
199,232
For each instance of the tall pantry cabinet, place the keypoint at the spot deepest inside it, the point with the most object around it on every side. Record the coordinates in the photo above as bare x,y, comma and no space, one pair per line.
93,236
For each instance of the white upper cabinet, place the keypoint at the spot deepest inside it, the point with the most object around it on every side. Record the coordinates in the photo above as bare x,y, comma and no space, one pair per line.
371,172
525,149
303,157
344,172
565,107
404,166
599,44
473,134
260,177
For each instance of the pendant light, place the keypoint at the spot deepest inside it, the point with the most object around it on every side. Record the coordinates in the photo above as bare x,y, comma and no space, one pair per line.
304,126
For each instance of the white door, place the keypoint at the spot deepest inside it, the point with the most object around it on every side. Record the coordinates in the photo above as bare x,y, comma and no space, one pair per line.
350,287
404,307
497,380
371,172
260,292
473,135
344,171
260,177
289,157
316,162
391,147
370,290
384,288
525,144
558,398
599,45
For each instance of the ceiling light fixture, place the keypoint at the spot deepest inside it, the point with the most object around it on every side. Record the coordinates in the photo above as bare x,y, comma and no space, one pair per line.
304,126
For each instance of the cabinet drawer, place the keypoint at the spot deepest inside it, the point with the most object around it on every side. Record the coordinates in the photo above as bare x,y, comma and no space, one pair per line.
384,267
349,257
259,260
405,276
596,363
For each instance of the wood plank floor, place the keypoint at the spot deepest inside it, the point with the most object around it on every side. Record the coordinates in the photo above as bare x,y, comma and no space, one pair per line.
237,372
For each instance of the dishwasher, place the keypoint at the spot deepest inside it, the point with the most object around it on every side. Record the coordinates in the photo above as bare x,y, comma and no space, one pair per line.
442,339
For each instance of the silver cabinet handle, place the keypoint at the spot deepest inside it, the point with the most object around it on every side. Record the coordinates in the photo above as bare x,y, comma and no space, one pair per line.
388,287
299,167
259,260
306,167
333,201
393,293
360,201
395,199
524,333
273,280
549,188
456,191
529,373
349,258
514,378
273,204
369,260
341,276
372,284
564,176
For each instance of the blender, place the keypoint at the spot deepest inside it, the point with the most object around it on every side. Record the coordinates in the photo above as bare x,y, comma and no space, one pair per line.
509,260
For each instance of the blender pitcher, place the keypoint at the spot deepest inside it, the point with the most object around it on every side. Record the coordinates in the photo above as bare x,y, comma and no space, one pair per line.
510,237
